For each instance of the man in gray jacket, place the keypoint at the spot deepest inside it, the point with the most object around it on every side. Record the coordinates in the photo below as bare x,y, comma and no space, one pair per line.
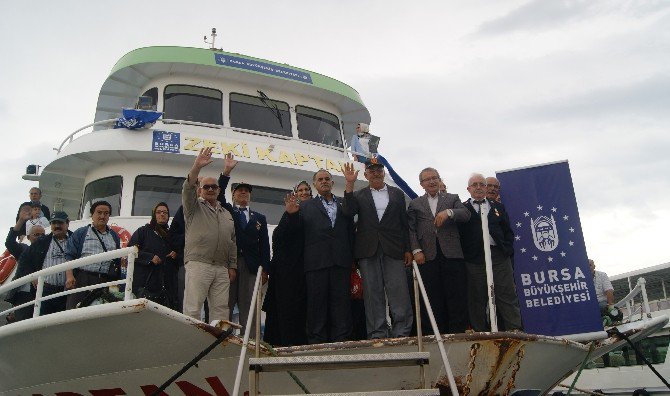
436,247
210,252
382,249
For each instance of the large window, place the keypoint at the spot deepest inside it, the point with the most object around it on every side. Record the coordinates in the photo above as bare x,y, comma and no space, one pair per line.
268,201
260,114
107,189
654,350
190,103
318,126
150,190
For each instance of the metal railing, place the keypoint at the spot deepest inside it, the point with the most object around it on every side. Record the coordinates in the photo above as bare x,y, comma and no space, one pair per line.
130,252
629,301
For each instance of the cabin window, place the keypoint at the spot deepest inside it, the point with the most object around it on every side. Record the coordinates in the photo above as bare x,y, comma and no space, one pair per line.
318,126
150,190
107,189
153,95
191,103
268,201
260,114
654,350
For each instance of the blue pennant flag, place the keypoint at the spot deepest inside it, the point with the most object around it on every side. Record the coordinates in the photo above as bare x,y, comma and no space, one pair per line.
399,181
136,119
553,280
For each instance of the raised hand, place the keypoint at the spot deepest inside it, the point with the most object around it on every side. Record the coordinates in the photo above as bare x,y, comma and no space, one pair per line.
229,163
291,203
25,214
204,158
350,175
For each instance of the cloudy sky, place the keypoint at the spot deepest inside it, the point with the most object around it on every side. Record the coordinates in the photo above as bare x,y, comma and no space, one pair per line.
463,86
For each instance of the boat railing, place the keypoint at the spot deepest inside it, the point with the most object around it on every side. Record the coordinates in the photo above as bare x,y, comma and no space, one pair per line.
39,276
629,301
70,138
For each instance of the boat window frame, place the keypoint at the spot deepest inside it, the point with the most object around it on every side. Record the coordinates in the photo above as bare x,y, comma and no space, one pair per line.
244,130
165,87
132,208
339,127
81,214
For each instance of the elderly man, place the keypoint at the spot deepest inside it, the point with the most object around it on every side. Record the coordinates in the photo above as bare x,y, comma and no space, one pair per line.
493,189
328,241
210,250
604,288
94,238
501,239
382,248
436,247
46,252
252,238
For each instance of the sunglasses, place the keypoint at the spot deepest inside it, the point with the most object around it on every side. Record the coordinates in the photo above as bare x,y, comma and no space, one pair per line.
210,187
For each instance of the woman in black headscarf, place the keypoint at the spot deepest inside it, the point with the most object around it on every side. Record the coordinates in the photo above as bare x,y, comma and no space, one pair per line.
155,256
285,302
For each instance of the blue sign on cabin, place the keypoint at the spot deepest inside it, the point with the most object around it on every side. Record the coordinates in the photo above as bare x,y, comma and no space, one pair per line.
166,142
553,280
262,67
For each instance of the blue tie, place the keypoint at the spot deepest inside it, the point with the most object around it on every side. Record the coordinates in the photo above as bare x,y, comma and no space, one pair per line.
243,217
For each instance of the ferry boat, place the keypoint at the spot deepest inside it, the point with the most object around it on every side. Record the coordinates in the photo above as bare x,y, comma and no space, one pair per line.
283,123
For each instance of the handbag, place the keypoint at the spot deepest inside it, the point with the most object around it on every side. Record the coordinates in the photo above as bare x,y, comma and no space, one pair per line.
161,297
114,270
356,284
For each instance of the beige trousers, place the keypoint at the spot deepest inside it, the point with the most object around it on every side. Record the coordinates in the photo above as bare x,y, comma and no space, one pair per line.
206,281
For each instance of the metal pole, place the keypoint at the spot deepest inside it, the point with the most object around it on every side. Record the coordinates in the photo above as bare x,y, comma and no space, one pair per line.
436,331
489,269
645,301
130,269
38,296
247,332
419,331
259,300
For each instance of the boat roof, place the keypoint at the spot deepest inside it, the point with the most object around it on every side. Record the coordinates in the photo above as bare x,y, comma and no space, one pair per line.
657,282
134,70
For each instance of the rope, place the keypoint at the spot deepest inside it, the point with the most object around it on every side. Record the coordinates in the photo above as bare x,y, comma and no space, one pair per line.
195,361
295,377
581,368
639,354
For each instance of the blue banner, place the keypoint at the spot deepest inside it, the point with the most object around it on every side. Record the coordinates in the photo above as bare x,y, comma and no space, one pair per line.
262,67
166,142
553,280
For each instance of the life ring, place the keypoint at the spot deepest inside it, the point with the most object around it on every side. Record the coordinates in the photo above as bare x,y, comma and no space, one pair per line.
124,235
7,265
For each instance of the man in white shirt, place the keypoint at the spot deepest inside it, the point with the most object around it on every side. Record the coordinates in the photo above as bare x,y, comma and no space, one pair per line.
604,288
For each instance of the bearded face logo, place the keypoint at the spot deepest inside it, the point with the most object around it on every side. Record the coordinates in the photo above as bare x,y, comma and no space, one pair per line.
545,235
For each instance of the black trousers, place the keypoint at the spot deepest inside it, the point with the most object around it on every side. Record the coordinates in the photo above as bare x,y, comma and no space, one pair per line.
55,304
328,305
445,280
84,278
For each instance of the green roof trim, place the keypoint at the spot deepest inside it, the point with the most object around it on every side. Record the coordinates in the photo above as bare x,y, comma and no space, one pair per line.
205,57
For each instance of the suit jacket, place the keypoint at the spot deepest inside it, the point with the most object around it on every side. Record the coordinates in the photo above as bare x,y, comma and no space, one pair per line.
391,231
253,241
325,246
422,231
499,229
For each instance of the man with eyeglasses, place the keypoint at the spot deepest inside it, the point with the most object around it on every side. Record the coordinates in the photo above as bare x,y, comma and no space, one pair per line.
493,189
210,250
436,247
381,248
45,252
501,239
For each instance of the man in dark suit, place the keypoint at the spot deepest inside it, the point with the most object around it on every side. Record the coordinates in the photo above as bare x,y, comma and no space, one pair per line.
500,240
328,256
253,242
382,248
437,250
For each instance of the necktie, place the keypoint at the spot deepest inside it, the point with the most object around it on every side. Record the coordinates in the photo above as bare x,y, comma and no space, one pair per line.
243,217
479,202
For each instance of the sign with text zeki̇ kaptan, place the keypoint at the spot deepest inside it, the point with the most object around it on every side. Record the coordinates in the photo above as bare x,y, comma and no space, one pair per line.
553,280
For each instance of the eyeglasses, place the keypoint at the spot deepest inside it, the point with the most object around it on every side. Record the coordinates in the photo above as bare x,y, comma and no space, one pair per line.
478,184
210,187
429,179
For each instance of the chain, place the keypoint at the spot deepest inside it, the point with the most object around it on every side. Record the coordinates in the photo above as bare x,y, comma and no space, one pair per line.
471,367
517,365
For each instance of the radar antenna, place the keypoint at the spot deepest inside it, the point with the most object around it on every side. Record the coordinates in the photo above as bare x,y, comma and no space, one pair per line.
213,39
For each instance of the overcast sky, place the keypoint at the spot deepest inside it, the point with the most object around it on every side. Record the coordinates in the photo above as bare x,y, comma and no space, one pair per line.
461,86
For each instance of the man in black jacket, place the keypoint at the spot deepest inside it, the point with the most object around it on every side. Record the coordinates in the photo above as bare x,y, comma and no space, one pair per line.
253,241
501,239
382,248
48,251
328,256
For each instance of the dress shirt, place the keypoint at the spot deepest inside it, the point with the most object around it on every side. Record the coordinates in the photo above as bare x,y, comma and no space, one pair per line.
432,203
246,211
381,199
602,283
55,255
331,208
485,207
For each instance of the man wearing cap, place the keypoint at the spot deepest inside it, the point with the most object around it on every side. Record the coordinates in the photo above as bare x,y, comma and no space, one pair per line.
45,252
210,249
253,242
382,248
